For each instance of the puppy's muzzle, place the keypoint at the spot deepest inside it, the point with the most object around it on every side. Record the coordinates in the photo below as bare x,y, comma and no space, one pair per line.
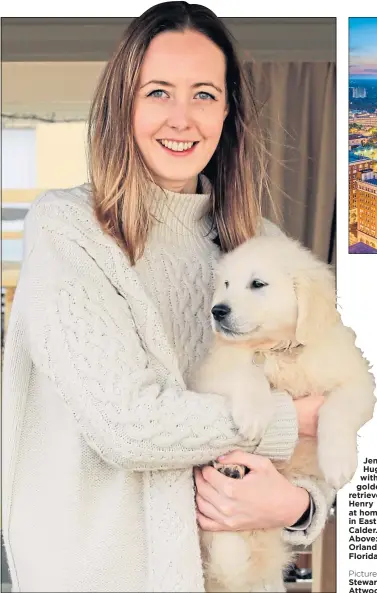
220,311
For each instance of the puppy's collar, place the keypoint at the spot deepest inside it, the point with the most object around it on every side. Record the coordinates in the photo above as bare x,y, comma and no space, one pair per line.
291,350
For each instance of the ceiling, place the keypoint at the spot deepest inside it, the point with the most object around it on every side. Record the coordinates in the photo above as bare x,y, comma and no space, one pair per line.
94,39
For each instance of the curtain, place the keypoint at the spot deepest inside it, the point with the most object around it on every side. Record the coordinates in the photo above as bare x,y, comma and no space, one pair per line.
298,114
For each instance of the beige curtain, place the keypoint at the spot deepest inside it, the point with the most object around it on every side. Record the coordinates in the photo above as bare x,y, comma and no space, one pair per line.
298,104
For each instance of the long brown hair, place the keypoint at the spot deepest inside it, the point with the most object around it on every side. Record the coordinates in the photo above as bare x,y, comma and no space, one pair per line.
118,174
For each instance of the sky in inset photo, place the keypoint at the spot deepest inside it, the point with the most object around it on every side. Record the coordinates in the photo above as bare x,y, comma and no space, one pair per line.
363,47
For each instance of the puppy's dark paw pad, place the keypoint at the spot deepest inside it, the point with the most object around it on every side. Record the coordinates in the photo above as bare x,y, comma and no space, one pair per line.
231,471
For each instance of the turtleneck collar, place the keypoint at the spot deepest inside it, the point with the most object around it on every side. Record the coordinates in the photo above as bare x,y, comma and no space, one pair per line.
181,218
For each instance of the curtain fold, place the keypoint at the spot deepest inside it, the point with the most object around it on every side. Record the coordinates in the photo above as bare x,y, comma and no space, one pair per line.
298,114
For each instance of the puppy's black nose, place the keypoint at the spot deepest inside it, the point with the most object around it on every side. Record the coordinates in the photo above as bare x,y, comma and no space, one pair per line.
220,311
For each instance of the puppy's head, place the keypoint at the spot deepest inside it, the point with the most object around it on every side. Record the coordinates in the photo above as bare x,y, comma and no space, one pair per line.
271,290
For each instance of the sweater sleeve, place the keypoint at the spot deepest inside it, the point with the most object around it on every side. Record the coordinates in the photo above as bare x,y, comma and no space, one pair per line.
134,414
322,497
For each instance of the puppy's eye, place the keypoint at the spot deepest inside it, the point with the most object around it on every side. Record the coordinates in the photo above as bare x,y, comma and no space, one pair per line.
257,284
226,284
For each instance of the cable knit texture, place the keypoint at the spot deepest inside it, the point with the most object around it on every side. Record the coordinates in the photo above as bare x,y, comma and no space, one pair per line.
100,433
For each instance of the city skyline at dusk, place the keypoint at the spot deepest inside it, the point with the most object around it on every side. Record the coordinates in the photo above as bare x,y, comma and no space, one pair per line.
362,136
363,48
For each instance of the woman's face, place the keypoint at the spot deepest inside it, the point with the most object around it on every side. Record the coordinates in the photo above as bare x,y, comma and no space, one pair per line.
181,99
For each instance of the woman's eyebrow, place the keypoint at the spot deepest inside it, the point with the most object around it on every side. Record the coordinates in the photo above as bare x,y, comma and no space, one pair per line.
170,85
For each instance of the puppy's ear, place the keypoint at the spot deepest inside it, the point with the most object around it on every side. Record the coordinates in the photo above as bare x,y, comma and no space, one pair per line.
316,299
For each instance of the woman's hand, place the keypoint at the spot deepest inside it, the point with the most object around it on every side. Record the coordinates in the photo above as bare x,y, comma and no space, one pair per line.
263,499
307,409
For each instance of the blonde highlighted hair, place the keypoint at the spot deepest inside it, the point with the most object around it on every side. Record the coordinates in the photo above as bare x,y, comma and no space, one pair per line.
118,174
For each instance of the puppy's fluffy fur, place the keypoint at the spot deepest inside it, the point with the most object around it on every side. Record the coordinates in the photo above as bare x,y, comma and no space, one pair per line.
283,333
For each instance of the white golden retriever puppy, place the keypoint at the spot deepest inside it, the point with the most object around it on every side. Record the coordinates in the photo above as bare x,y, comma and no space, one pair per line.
276,327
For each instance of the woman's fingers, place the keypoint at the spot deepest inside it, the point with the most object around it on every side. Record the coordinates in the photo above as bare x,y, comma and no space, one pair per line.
208,510
211,503
210,490
222,485
208,524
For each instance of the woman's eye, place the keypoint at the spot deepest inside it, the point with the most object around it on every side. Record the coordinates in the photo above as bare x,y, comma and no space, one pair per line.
205,96
257,284
158,93
161,94
226,284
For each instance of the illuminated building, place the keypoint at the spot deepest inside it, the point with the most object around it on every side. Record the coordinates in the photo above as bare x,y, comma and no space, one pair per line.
356,163
366,197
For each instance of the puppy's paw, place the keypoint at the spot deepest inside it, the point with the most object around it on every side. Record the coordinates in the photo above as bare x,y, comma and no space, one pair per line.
252,416
230,470
337,460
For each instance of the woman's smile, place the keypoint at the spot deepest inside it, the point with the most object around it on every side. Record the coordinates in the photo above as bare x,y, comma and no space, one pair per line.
177,148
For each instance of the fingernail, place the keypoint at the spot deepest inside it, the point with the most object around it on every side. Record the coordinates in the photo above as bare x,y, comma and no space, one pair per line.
221,457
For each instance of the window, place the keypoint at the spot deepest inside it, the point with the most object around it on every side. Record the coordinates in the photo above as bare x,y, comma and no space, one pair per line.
19,169
12,229
19,158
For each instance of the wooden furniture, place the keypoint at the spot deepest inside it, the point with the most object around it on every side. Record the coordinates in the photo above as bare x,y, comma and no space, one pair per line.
324,558
9,278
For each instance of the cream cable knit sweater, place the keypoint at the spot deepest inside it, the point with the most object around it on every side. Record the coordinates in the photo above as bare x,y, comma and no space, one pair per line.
99,431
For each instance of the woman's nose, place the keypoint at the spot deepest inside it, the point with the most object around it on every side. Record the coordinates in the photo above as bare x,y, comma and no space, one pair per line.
179,116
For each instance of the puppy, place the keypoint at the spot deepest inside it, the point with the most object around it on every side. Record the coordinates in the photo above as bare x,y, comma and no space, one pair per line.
276,328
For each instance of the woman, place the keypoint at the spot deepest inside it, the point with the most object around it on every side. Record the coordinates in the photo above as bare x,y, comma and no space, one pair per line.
112,312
